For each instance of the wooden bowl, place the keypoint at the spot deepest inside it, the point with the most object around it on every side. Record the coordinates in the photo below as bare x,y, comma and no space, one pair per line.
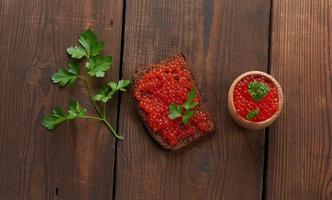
250,124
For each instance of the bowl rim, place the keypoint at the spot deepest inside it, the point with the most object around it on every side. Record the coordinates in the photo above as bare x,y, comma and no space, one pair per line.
247,123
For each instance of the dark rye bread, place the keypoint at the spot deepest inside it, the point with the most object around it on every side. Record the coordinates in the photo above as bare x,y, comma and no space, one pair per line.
201,107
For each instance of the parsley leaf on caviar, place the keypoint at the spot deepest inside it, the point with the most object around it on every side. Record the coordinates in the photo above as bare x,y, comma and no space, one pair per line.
193,105
64,77
186,116
176,111
252,114
258,90
57,116
189,104
107,92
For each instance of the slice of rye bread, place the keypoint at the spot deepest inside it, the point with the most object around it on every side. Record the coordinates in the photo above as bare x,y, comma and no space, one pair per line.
201,107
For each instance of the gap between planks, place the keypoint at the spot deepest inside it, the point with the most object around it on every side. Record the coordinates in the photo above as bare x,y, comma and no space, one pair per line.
267,130
119,94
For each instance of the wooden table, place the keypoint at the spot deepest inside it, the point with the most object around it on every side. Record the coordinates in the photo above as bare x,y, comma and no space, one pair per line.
290,39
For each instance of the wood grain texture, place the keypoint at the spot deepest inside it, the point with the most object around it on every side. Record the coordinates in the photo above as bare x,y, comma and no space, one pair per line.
299,161
221,40
76,160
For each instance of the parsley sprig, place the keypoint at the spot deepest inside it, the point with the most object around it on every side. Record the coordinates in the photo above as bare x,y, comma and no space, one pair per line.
107,92
185,110
258,90
252,114
96,65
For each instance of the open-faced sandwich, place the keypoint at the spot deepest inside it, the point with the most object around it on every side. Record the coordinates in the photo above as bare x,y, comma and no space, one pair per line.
169,103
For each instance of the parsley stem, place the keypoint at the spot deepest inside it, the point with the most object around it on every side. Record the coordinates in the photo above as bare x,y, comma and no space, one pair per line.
112,129
93,101
92,117
83,78
102,116
104,107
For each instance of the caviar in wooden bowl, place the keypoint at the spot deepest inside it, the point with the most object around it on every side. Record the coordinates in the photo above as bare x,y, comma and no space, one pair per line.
255,100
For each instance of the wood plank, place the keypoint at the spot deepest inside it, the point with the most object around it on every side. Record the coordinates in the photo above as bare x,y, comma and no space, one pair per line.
300,142
76,160
221,40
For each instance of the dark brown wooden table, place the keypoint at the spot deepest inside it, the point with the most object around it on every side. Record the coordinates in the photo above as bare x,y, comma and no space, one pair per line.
290,39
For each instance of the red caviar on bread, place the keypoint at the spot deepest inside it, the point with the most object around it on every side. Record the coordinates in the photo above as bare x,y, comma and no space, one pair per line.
156,88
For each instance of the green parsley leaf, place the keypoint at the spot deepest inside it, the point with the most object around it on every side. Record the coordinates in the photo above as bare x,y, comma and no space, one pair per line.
189,104
73,67
175,111
191,95
193,105
102,94
88,40
89,46
122,84
76,52
108,91
98,65
252,114
112,84
186,116
64,77
55,118
75,110
258,90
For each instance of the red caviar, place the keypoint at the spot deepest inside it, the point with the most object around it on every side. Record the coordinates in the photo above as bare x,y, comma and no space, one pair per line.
168,83
244,103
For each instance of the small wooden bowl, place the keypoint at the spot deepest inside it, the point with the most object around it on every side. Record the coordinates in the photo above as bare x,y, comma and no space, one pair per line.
250,124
